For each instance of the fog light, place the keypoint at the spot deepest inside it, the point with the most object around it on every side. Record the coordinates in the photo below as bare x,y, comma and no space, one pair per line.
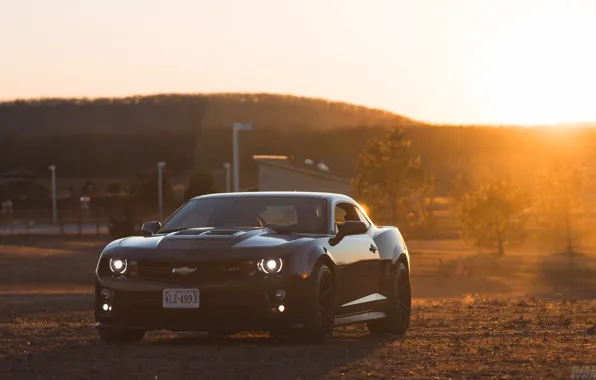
280,294
105,293
281,308
105,307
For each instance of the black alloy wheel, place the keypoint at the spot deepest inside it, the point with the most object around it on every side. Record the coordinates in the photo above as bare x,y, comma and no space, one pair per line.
320,312
399,306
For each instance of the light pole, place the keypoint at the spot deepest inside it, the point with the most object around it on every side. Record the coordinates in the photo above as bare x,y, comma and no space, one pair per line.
160,166
53,170
227,167
237,127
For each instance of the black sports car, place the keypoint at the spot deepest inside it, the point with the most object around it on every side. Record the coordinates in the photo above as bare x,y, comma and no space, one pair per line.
291,263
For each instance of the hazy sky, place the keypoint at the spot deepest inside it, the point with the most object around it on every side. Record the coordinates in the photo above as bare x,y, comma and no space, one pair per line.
454,61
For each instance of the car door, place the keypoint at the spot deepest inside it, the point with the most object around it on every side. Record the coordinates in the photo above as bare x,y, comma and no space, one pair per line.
353,255
373,267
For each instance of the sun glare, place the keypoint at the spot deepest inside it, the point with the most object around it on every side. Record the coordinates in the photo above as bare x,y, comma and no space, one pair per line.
539,68
365,209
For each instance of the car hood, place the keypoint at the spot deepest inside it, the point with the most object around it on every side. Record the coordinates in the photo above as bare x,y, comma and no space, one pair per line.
211,241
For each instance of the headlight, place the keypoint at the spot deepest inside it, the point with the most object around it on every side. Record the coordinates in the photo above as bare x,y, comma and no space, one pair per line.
118,266
270,266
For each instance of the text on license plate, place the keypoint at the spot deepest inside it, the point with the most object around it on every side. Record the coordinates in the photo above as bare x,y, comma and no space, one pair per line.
181,298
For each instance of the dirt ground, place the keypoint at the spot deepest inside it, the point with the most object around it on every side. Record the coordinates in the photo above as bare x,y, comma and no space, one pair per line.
526,316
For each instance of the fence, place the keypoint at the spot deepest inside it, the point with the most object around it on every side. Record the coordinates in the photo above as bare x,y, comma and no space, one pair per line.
73,221
40,222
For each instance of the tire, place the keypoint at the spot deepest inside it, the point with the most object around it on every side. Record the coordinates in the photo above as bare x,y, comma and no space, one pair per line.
399,307
319,309
114,336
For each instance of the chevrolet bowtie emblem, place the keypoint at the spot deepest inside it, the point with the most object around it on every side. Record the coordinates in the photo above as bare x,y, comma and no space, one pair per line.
183,270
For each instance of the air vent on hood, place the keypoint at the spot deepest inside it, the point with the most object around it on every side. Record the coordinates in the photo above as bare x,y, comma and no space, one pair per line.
221,232
202,232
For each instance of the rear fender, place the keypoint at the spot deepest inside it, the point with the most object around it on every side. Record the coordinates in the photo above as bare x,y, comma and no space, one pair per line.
391,244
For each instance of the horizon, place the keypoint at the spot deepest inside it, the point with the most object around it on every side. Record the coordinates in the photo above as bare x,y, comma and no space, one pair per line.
573,125
438,62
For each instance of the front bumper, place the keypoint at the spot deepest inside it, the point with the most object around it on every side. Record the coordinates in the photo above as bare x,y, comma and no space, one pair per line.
248,305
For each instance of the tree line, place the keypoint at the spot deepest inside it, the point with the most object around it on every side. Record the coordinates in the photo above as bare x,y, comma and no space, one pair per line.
185,112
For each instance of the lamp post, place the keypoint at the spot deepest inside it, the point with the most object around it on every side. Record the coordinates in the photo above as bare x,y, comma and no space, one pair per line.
53,170
227,167
237,127
160,166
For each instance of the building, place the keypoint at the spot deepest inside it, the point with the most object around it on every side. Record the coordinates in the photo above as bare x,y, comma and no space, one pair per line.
283,173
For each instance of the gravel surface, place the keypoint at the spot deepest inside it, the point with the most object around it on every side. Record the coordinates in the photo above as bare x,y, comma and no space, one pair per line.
457,339
46,325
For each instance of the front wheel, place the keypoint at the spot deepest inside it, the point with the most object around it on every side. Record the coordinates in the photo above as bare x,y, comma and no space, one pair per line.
117,336
399,307
320,307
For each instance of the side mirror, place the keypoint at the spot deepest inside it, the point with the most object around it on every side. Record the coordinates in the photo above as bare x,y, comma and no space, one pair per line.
351,227
150,228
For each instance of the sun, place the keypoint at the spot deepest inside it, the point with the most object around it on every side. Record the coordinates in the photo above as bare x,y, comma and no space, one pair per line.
538,68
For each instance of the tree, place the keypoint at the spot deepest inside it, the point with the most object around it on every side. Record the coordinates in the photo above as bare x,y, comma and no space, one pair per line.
391,182
200,182
460,186
559,201
493,216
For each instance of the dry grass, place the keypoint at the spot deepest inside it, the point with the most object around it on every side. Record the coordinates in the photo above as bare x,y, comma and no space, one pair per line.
450,338
48,262
487,324
527,270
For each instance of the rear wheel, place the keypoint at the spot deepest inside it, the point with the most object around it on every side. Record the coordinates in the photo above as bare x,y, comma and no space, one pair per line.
399,307
117,336
320,313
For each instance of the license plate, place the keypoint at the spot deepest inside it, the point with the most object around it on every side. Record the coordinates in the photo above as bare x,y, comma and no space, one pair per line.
181,298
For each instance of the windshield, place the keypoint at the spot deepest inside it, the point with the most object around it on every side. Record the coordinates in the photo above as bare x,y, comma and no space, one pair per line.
287,214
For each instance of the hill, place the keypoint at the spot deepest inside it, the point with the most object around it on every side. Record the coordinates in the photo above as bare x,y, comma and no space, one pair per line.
123,137
183,113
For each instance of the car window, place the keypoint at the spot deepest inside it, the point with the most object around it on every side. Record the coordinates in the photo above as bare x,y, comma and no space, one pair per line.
299,214
340,215
347,212
363,218
280,215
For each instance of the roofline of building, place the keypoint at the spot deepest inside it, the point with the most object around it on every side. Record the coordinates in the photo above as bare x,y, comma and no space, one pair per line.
279,164
269,157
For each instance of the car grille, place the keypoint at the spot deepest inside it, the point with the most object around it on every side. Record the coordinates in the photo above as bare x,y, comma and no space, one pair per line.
206,273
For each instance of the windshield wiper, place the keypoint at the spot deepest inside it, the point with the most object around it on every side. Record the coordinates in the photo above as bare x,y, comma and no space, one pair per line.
174,230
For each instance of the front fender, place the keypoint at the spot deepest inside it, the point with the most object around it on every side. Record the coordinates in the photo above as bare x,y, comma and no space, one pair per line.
313,253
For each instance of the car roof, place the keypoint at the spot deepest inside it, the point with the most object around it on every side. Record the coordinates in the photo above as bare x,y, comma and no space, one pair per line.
278,194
